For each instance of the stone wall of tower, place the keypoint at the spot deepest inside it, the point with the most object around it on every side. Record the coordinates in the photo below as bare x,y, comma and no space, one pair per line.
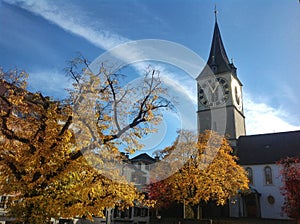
227,121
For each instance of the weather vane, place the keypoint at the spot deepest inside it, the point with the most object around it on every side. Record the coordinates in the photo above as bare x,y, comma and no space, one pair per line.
216,12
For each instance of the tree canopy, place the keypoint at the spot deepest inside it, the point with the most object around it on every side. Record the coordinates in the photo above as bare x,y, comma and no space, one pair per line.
210,172
49,148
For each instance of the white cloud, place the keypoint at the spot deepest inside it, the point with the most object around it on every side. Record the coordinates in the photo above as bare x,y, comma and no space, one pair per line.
182,83
262,118
71,20
50,83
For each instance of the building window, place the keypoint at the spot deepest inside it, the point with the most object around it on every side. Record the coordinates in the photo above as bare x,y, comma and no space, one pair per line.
137,211
123,214
250,175
147,167
138,178
142,212
3,202
268,175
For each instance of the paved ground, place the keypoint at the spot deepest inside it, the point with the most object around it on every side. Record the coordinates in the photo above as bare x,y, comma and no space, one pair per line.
224,221
253,221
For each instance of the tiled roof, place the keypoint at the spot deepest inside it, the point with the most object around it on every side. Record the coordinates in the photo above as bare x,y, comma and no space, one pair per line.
268,148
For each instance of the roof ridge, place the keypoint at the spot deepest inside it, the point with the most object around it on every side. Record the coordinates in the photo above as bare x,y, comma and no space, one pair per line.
271,133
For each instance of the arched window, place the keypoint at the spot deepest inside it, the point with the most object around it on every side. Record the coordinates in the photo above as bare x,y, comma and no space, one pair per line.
268,175
250,174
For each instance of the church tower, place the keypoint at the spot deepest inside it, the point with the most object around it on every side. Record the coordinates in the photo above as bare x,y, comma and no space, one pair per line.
220,101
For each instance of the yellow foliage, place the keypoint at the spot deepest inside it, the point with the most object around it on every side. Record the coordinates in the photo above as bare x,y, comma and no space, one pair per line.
210,174
41,153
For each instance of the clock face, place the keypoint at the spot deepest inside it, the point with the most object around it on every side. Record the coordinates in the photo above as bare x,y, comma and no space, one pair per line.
213,92
237,94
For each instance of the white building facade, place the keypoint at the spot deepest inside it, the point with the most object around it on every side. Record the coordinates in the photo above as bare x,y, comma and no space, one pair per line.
259,154
264,199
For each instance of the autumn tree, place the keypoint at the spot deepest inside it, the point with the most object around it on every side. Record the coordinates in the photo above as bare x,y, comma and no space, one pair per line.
50,153
204,170
290,172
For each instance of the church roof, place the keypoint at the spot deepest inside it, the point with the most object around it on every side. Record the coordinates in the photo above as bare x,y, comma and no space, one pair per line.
217,55
268,148
218,61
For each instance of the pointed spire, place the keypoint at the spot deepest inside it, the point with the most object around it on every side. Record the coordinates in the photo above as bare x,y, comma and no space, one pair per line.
218,60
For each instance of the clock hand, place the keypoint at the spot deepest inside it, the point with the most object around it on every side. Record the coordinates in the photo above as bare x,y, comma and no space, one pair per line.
216,86
213,90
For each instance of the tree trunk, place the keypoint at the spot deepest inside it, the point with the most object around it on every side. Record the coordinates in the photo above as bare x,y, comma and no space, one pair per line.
184,215
199,212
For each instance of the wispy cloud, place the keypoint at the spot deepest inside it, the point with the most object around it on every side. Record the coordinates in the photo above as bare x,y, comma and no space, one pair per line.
74,22
50,83
71,20
260,117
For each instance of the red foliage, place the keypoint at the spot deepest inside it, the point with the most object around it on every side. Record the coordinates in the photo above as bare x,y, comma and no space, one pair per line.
291,186
159,191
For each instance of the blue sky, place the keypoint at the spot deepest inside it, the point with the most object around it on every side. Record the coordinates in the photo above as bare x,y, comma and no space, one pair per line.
262,37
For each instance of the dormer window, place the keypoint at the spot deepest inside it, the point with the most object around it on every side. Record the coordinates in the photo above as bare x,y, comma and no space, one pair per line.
267,146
